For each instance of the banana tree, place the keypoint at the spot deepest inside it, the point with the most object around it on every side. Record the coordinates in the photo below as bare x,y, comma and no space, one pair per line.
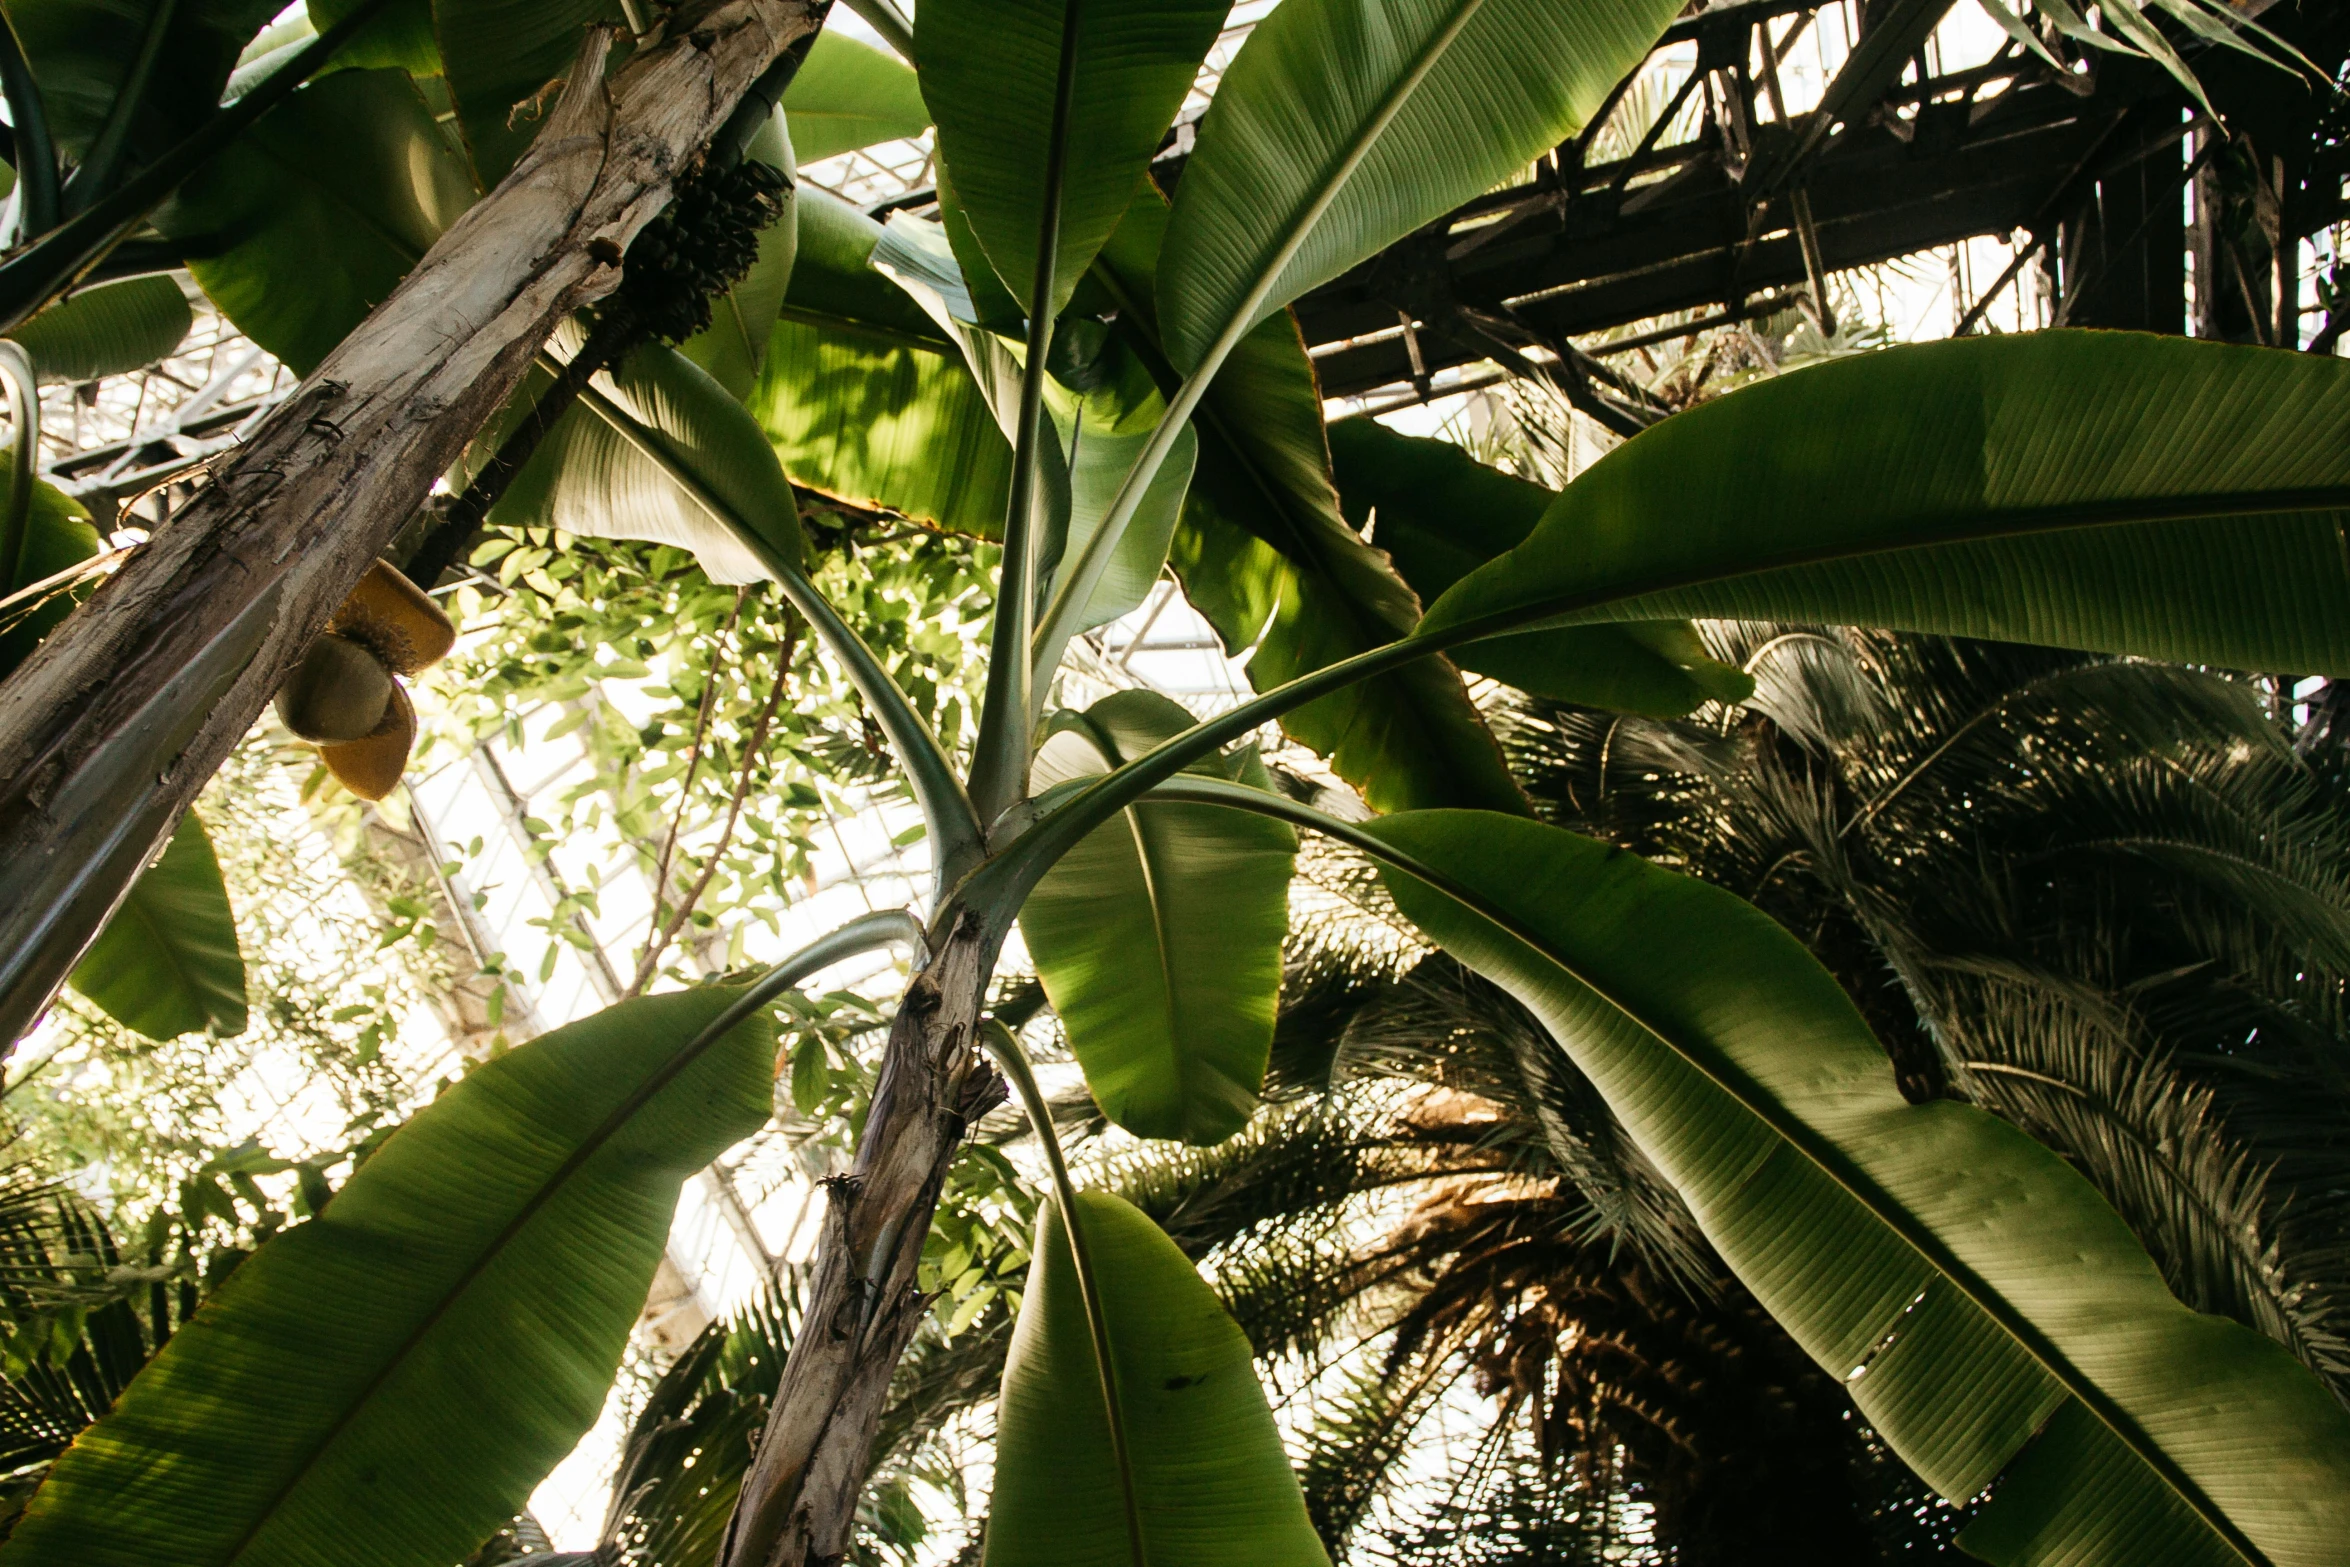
1126,392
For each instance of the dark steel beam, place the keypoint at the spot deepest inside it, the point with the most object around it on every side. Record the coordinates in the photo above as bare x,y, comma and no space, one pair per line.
1891,32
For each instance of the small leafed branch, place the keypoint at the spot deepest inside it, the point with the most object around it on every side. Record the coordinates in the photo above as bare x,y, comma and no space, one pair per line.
947,813
693,765
754,751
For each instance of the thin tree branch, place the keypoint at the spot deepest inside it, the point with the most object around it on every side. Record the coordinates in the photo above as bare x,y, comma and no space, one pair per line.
753,751
693,765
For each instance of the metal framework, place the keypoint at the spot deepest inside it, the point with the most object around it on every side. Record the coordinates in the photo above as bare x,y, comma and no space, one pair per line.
1739,196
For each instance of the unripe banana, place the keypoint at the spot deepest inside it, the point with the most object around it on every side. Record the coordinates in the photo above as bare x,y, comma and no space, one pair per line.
339,692
370,768
342,698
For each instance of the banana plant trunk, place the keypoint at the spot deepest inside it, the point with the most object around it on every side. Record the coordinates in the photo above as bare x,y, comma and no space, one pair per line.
111,728
799,1500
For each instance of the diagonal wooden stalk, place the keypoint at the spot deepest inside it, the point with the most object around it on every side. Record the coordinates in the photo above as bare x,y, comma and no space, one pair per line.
113,725
799,1502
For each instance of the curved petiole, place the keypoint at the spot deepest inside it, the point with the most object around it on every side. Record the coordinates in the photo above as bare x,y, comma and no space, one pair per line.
1004,1045
60,258
999,766
866,933
998,887
89,182
885,18
24,412
1079,579
36,150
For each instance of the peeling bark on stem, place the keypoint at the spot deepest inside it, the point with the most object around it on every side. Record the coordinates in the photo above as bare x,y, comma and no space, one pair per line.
113,726
799,1501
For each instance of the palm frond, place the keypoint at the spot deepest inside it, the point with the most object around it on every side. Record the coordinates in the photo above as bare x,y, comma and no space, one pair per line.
2156,1145
2114,875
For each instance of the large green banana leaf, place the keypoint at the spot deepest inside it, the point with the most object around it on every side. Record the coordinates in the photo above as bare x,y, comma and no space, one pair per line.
989,73
1439,514
849,95
81,51
1984,1307
58,537
1084,453
834,284
865,398
500,56
993,306
383,1386
1264,554
108,330
2102,490
313,217
1103,449
742,319
595,476
1158,937
1343,125
400,38
1213,1487
167,962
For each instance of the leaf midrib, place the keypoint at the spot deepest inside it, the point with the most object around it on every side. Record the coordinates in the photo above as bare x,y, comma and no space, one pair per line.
137,907
1863,1190
1855,1183
589,1146
2020,522
1315,202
